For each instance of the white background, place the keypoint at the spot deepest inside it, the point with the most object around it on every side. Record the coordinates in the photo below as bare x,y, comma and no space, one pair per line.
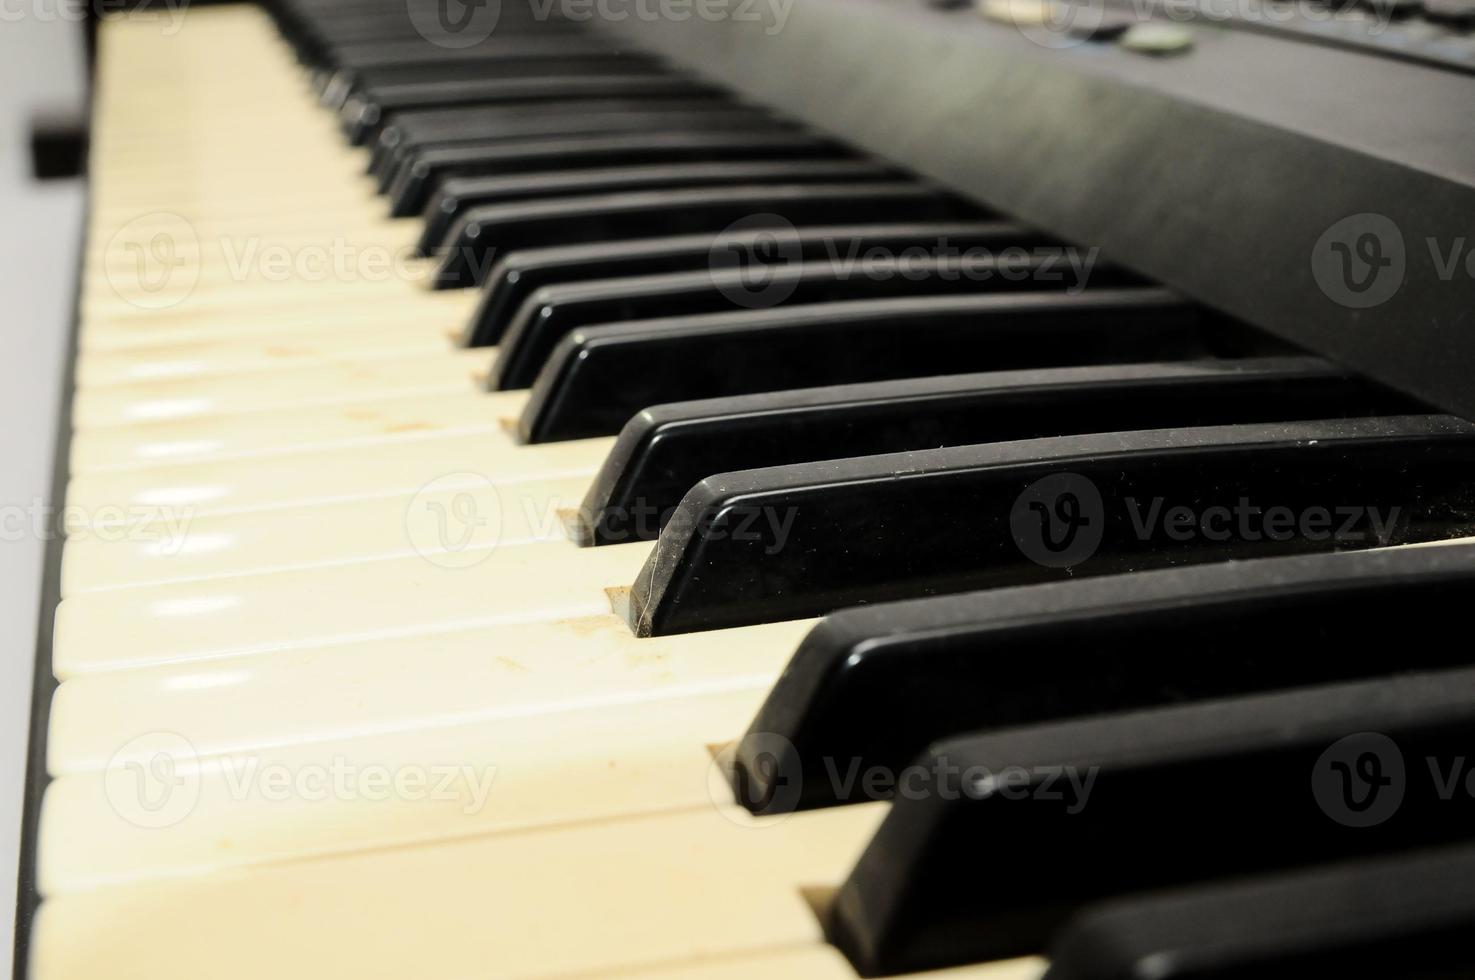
41,72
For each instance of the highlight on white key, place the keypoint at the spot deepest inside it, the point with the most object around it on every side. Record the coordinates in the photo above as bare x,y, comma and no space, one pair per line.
157,779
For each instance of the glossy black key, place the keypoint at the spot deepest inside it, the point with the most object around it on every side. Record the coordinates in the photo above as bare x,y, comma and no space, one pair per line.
483,234
520,273
353,63
681,138
459,195
521,65
555,311
599,377
702,143
871,687
408,132
795,541
666,449
397,149
1020,829
363,114
1410,916
689,155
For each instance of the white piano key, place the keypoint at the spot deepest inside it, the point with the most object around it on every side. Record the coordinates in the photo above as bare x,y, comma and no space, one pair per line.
206,359
586,899
216,438
397,464
194,621
816,963
316,535
601,762
274,314
303,386
404,683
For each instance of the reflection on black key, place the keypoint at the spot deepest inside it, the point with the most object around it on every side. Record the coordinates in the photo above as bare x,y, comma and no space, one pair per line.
1409,916
458,195
705,140
871,687
483,234
1024,827
666,449
795,541
363,114
519,273
555,311
446,157
371,80
411,131
599,377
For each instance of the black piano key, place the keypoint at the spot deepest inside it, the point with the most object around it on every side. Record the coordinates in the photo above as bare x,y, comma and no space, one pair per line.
599,377
483,234
790,542
871,687
706,138
452,71
1408,916
520,273
355,62
395,165
457,196
703,143
419,51
555,311
409,132
666,449
364,113
1022,828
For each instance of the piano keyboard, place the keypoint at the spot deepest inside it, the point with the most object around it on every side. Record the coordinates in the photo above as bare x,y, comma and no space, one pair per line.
414,629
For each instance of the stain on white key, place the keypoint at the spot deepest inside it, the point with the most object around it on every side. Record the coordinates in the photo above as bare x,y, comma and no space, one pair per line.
123,327
250,433
205,359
